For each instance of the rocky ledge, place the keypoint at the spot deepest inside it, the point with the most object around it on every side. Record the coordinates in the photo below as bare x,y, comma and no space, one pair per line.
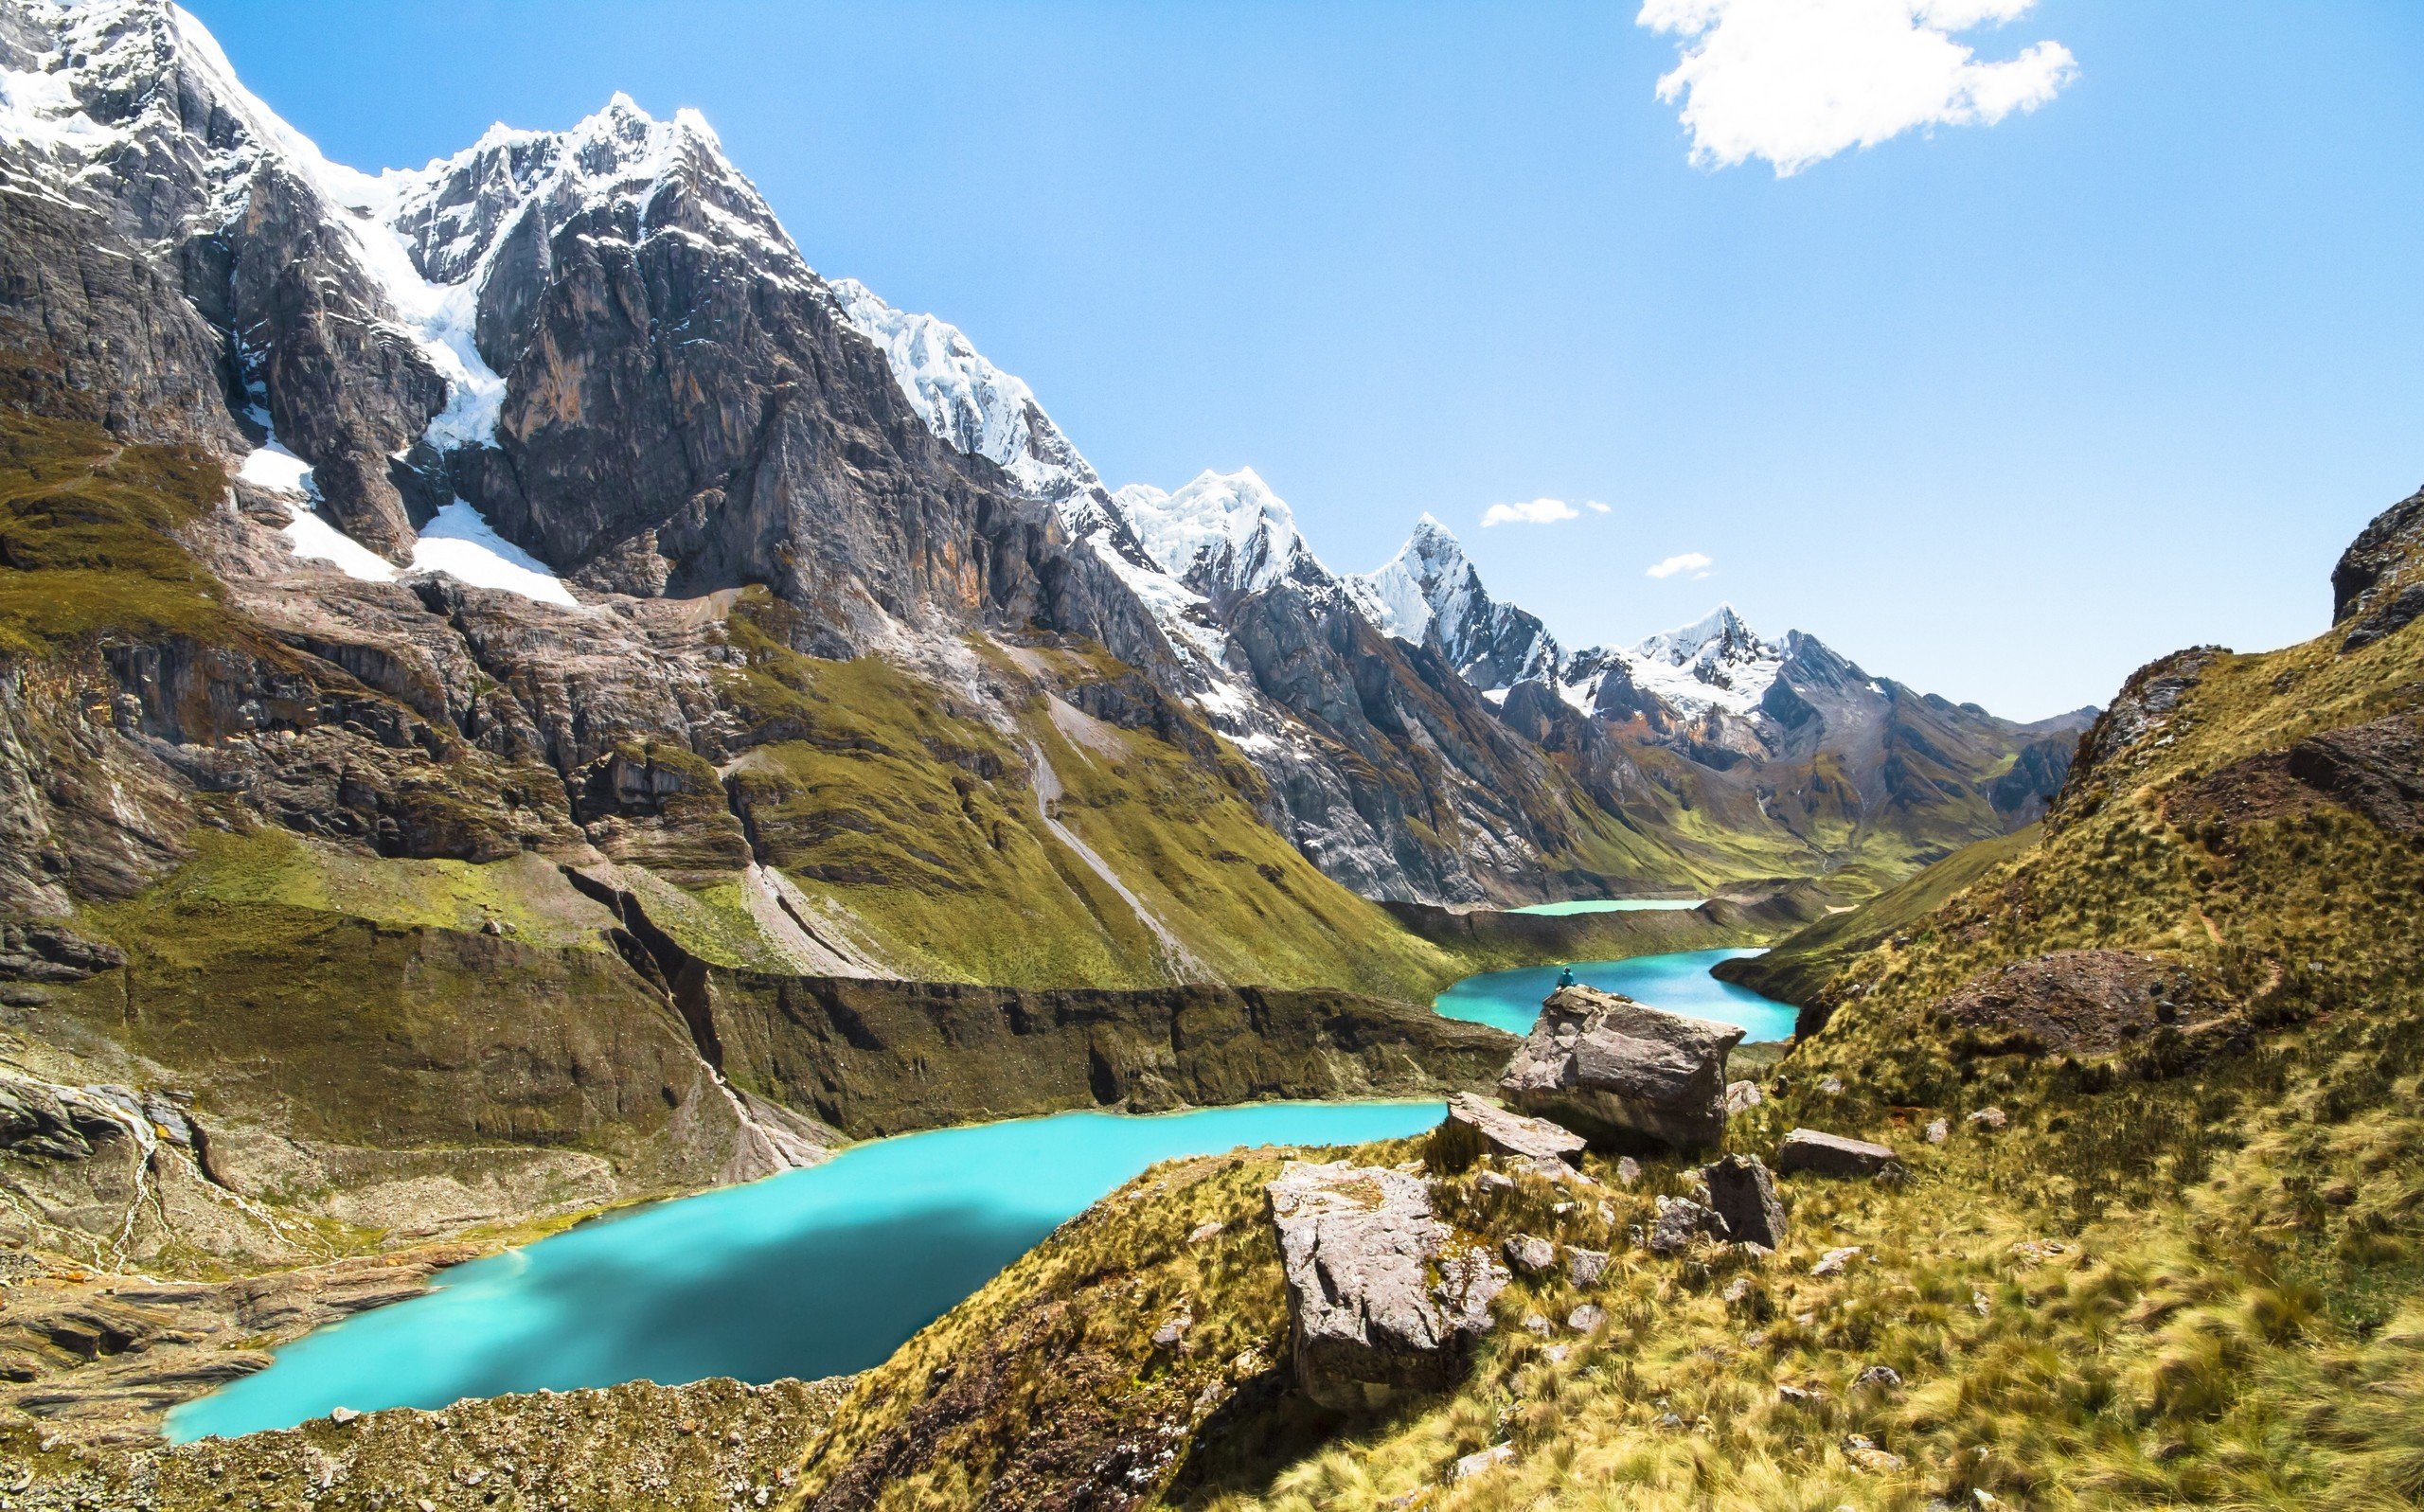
1382,1299
1623,1074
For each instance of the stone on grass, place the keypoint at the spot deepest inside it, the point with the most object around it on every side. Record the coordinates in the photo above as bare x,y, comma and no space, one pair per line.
1938,1131
1834,1261
1622,1073
1586,1317
1991,1118
1585,1267
1824,1154
1481,1460
1867,1457
1529,1256
1358,1246
1474,1128
1877,1378
1745,1200
1628,1170
1741,1097
1680,1221
1205,1231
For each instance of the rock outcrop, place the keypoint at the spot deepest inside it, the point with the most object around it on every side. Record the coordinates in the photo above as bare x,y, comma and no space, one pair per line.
1474,1128
1621,1073
1824,1154
1680,1221
2080,1002
1745,1199
2373,581
1382,1300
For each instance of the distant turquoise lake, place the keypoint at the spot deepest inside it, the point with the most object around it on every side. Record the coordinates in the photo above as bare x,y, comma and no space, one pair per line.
1611,905
813,1273
1677,981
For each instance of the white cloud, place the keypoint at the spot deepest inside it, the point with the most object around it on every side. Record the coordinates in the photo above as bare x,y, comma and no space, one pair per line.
1690,561
1796,82
1537,512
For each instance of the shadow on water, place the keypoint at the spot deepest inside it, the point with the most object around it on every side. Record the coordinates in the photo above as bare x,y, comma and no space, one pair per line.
760,1313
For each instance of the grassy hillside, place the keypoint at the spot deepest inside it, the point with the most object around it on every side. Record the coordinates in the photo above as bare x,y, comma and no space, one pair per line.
2186,1269
1795,968
87,533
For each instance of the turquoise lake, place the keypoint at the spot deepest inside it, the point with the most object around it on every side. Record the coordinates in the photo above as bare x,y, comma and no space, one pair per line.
1612,905
814,1272
1677,981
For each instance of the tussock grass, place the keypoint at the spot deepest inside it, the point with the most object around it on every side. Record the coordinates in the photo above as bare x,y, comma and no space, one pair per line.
2188,1273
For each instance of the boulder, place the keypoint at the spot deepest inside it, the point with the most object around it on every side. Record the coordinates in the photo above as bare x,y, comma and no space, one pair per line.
1380,1300
1680,1221
1867,1458
1741,1097
1621,1073
1530,1255
1174,1329
1745,1199
1584,1268
1474,1128
1824,1154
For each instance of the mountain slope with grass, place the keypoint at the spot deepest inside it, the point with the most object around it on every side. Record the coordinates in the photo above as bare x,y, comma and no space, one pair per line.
589,367
2152,1076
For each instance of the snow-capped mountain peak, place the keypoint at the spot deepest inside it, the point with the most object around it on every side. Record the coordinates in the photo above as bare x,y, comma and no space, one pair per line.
1718,631
1431,588
1223,532
1429,582
972,404
1716,662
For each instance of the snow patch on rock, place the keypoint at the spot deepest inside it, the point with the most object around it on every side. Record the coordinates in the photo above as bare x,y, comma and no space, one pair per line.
457,542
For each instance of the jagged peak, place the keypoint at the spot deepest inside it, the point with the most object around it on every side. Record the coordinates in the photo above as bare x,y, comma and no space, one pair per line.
977,407
1721,626
1230,527
1422,585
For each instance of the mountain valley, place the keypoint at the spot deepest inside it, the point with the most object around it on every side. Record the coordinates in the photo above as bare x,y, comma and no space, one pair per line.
521,700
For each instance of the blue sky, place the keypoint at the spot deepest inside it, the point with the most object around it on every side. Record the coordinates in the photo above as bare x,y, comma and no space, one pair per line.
1999,410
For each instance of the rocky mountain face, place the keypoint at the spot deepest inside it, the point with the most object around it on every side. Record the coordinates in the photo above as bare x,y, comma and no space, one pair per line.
447,591
599,349
1431,588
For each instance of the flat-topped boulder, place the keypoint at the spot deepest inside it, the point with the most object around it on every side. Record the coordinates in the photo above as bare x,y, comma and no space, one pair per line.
1623,1074
1382,1300
1475,1127
1824,1154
